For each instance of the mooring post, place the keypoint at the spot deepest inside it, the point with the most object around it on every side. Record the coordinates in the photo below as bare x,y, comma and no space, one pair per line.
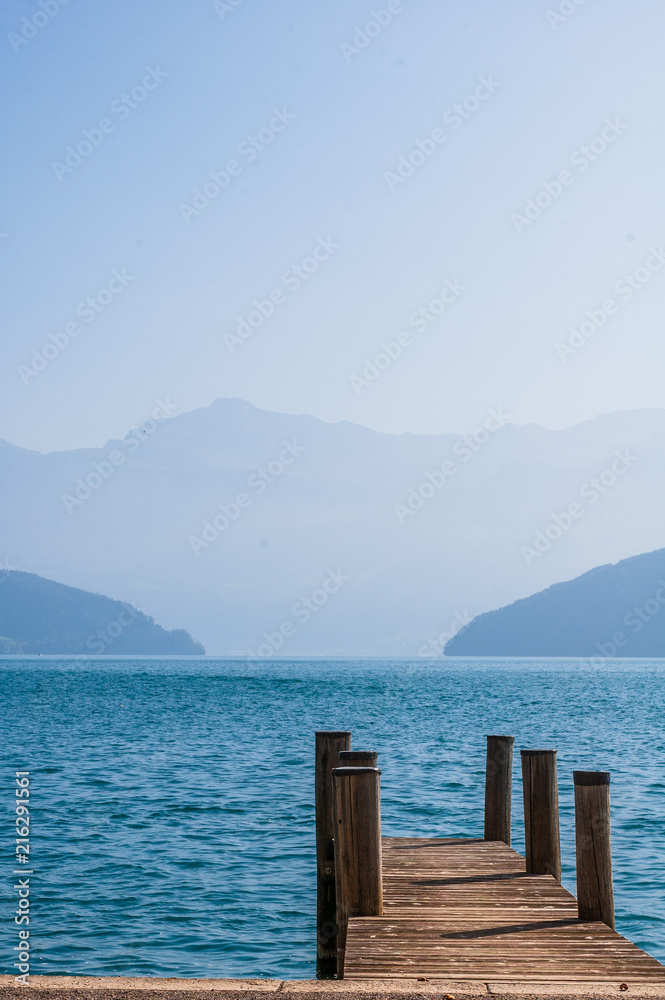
328,746
358,877
357,758
541,813
498,787
593,849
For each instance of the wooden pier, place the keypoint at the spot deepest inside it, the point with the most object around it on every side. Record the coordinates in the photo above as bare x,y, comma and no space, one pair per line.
473,910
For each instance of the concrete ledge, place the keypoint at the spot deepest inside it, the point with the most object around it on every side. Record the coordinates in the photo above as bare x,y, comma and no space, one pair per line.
148,988
383,987
578,989
320,988
145,983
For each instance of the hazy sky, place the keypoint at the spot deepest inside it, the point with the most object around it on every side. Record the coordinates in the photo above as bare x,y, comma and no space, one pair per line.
170,92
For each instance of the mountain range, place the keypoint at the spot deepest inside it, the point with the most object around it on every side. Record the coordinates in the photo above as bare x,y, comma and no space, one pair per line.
273,534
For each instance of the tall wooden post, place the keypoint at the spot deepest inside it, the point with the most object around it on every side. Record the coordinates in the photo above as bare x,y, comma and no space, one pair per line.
541,813
357,758
498,787
595,895
358,876
328,746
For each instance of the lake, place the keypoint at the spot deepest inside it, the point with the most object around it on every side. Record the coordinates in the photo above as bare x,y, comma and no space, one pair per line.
172,809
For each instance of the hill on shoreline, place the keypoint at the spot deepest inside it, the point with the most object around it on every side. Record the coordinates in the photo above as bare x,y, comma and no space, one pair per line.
611,611
42,616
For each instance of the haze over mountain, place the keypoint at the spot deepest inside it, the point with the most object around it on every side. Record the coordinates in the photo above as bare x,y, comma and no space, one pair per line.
42,616
609,611
268,534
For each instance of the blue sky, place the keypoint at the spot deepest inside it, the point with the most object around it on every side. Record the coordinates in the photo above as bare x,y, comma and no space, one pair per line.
222,74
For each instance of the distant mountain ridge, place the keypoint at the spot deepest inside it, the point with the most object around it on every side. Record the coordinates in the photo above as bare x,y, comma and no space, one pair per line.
42,616
614,610
425,529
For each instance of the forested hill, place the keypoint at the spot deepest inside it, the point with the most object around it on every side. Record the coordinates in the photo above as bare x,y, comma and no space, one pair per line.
42,616
614,610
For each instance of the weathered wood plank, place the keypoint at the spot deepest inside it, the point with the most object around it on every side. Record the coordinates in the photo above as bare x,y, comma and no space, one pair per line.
327,748
467,910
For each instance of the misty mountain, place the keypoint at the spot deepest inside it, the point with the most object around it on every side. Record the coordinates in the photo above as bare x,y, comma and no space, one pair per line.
267,533
42,616
609,611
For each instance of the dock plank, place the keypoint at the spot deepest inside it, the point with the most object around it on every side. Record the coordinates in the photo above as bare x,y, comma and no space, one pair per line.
465,909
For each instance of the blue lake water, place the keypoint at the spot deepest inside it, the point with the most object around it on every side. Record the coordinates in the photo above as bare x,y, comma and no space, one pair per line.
172,800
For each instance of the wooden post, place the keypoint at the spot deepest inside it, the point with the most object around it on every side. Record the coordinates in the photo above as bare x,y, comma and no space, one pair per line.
328,746
541,813
498,787
595,895
357,758
358,876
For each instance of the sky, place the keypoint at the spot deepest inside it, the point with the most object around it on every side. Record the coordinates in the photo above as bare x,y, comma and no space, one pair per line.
417,205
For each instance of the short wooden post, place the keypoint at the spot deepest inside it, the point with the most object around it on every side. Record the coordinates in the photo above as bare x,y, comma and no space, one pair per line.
328,746
541,813
595,895
498,787
357,758
358,876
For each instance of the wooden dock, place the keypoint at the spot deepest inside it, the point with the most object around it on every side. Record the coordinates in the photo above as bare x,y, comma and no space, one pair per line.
466,910
469,910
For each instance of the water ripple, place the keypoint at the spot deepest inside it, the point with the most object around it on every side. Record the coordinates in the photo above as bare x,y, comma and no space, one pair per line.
172,805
